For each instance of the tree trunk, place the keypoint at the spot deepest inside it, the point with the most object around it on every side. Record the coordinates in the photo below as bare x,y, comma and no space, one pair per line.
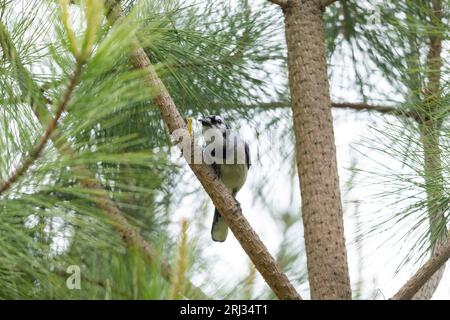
316,151
434,189
429,127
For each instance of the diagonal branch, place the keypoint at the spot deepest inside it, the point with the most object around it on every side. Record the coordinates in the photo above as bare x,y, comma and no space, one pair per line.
221,197
413,285
51,127
86,178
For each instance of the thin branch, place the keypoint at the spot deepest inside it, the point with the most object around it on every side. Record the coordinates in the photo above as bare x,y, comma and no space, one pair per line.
394,111
86,178
51,127
357,106
221,197
364,107
437,260
337,105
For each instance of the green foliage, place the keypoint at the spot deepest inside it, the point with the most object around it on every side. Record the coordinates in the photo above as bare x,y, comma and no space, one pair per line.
387,44
110,134
389,41
214,55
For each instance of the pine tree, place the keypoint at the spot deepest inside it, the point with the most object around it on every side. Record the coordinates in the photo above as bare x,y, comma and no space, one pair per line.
91,92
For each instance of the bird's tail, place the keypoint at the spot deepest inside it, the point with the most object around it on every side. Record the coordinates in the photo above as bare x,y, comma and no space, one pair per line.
219,230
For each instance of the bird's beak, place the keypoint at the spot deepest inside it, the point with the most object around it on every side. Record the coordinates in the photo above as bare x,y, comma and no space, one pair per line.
205,122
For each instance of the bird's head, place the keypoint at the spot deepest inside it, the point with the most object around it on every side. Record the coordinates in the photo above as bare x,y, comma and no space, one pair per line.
213,122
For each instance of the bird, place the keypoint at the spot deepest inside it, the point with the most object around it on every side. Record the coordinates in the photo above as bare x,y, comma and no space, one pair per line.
229,155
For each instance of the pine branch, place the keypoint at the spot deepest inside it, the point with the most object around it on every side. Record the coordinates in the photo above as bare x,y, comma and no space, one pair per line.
219,194
86,178
356,106
413,285
364,107
315,150
51,127
395,111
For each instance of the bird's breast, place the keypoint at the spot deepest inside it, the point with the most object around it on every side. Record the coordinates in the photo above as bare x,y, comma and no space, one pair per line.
233,176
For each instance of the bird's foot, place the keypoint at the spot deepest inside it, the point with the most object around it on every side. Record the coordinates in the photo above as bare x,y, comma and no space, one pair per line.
215,166
238,203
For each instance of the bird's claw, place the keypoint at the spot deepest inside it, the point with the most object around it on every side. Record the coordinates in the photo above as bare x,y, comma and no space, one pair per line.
216,169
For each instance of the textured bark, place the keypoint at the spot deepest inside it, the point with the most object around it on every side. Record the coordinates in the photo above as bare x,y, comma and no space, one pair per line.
316,152
219,194
86,178
425,273
429,126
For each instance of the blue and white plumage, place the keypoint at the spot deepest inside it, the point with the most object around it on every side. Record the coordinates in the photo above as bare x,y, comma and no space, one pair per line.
229,154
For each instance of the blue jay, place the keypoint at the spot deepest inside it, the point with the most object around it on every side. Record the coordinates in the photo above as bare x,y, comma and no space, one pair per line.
230,157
